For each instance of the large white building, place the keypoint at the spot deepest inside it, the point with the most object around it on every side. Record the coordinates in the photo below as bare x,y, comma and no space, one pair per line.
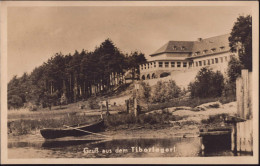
188,55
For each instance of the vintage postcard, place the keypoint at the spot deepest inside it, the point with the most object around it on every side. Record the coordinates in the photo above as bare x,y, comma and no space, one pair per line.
131,82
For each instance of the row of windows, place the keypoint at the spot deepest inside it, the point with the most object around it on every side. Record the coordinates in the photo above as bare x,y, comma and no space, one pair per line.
184,64
207,51
148,65
211,61
172,64
166,64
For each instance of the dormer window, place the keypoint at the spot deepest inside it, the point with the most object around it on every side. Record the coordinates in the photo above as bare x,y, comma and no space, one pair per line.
213,50
174,47
183,48
205,51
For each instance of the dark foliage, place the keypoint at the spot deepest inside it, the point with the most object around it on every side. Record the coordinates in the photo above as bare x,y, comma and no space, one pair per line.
207,84
165,91
73,77
240,40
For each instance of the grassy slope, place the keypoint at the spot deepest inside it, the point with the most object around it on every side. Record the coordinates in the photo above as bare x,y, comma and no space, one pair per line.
27,121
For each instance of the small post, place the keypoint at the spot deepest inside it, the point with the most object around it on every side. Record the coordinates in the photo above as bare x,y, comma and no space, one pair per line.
127,106
238,137
135,107
107,113
101,109
234,137
135,99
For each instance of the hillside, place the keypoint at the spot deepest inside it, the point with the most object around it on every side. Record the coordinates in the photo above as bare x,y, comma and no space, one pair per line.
182,78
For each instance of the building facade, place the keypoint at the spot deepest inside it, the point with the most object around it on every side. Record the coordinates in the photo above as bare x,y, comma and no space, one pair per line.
188,55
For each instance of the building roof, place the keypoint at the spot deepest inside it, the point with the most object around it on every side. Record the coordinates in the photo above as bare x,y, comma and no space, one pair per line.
219,43
212,43
175,46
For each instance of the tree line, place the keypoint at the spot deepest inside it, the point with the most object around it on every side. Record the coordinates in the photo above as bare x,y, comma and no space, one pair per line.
70,78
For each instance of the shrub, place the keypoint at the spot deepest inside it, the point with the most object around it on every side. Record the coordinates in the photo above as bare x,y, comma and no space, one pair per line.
173,91
165,91
233,72
63,99
207,84
159,92
15,101
144,92
229,89
93,103
143,119
31,106
234,69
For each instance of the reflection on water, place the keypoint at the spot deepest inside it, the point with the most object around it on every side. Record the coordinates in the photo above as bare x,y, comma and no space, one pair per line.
56,144
170,147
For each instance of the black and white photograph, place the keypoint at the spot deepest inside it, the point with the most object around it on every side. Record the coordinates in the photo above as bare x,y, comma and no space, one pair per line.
129,82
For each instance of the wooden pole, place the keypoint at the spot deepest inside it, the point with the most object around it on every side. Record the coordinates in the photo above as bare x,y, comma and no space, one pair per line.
101,109
242,136
135,107
135,99
244,74
107,113
238,96
250,91
251,135
234,137
127,106
238,137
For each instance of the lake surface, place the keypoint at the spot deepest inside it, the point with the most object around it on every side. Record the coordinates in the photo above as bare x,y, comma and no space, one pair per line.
80,148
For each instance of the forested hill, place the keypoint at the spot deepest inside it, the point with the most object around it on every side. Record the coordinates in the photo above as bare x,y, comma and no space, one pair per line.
69,78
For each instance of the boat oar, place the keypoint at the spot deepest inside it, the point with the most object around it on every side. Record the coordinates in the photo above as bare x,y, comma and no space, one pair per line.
86,131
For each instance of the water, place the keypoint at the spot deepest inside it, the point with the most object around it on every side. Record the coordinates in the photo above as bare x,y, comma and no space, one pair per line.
80,148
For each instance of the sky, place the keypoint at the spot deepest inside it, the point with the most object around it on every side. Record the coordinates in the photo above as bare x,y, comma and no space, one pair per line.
34,34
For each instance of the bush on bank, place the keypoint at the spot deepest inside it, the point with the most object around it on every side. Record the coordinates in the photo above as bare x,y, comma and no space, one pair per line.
207,84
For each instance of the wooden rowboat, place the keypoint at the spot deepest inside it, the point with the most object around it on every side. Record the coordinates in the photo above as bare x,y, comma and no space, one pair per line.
75,130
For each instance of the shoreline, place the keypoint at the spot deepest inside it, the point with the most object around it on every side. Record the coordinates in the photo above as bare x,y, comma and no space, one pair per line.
144,133
180,123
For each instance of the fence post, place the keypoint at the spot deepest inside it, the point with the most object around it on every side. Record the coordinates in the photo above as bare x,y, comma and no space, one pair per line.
244,74
101,109
244,131
239,96
107,113
234,137
135,99
135,107
127,106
